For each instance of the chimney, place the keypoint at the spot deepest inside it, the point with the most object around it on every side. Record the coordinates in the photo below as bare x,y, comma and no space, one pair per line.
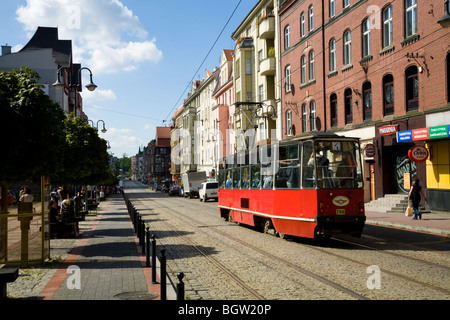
6,50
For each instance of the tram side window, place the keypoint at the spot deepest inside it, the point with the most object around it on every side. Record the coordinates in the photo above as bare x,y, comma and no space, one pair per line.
267,176
255,173
236,178
288,173
222,180
229,179
245,177
308,166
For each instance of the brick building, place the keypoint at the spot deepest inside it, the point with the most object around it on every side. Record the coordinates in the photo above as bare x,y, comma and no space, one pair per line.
355,66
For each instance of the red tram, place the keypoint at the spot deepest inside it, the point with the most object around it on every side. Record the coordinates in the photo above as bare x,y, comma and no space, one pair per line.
307,187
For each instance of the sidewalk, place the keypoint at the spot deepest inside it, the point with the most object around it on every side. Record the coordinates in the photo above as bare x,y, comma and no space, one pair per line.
434,222
104,262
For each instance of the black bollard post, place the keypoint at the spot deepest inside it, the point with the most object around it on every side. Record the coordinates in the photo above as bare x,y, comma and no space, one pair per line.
163,275
180,286
148,247
143,236
153,260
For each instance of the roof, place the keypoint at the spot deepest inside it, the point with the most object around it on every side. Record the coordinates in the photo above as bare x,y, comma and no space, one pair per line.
47,38
163,136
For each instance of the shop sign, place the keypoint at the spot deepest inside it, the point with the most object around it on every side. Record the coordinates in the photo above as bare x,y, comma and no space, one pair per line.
404,136
369,150
387,130
418,154
420,134
439,132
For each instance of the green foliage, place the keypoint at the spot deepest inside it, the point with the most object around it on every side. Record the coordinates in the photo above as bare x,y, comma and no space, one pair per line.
38,140
30,127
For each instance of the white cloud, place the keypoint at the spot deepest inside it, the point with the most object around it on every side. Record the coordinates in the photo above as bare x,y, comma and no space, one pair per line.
124,140
105,34
98,95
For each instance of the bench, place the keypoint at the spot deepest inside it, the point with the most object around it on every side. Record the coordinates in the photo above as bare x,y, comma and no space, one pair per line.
61,230
92,205
7,275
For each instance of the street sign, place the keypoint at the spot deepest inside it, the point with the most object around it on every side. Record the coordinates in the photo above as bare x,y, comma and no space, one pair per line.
369,150
418,154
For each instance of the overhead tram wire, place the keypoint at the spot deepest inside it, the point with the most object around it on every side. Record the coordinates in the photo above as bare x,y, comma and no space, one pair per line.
195,73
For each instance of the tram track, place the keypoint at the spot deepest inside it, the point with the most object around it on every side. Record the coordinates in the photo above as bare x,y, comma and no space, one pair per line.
232,275
194,223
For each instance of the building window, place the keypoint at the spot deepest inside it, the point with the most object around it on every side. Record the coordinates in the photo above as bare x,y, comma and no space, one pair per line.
304,118
387,27
289,122
332,55
312,115
311,65
348,106
302,25
248,66
366,38
261,93
333,110
303,69
346,3
311,18
412,88
347,47
367,101
287,37
388,93
411,18
332,8
287,79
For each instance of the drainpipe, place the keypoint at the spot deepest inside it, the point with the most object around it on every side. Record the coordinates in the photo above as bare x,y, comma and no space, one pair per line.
323,69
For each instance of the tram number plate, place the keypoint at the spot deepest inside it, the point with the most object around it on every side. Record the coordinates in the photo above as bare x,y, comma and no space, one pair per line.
340,212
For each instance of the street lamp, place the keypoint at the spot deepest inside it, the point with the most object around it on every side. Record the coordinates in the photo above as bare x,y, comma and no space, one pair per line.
103,130
90,86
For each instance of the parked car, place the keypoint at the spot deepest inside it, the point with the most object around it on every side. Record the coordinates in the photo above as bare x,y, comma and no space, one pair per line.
209,190
12,199
174,191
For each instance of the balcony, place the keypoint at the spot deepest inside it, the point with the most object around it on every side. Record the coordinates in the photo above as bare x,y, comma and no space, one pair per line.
267,66
267,28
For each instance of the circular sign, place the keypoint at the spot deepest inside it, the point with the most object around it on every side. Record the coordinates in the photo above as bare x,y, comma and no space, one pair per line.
369,150
418,154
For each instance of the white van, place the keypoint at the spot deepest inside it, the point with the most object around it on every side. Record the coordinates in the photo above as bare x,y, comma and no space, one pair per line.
209,190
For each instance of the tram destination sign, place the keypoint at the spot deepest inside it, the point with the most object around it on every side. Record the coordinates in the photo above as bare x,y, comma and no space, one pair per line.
437,132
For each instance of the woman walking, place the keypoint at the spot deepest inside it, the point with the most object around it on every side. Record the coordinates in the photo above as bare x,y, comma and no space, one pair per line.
415,197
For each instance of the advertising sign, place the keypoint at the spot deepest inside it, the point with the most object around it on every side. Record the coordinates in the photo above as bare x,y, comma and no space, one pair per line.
420,134
439,132
369,150
387,130
404,136
418,154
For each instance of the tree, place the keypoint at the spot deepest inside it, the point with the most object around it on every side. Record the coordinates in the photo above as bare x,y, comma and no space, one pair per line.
30,128
38,140
84,157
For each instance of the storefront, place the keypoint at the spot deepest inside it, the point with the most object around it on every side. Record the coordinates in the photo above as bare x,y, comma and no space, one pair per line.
436,140
393,170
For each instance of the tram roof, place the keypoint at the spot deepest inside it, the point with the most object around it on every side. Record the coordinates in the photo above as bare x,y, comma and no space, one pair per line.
318,135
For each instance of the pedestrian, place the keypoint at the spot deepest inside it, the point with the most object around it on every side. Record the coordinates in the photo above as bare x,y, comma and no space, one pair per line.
27,196
415,196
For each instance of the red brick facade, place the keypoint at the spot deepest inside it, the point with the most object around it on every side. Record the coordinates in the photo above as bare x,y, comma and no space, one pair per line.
398,73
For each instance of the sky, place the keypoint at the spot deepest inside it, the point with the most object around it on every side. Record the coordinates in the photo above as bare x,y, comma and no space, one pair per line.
143,54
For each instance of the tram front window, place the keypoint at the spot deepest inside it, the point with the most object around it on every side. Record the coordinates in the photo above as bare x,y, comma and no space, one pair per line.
337,163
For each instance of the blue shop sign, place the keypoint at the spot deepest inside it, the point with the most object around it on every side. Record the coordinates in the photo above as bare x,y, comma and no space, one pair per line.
404,136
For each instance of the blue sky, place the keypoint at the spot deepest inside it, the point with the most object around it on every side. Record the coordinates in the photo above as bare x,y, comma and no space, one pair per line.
143,54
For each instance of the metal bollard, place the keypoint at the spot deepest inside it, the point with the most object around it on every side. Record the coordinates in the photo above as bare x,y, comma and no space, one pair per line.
148,247
143,236
153,260
180,286
163,275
